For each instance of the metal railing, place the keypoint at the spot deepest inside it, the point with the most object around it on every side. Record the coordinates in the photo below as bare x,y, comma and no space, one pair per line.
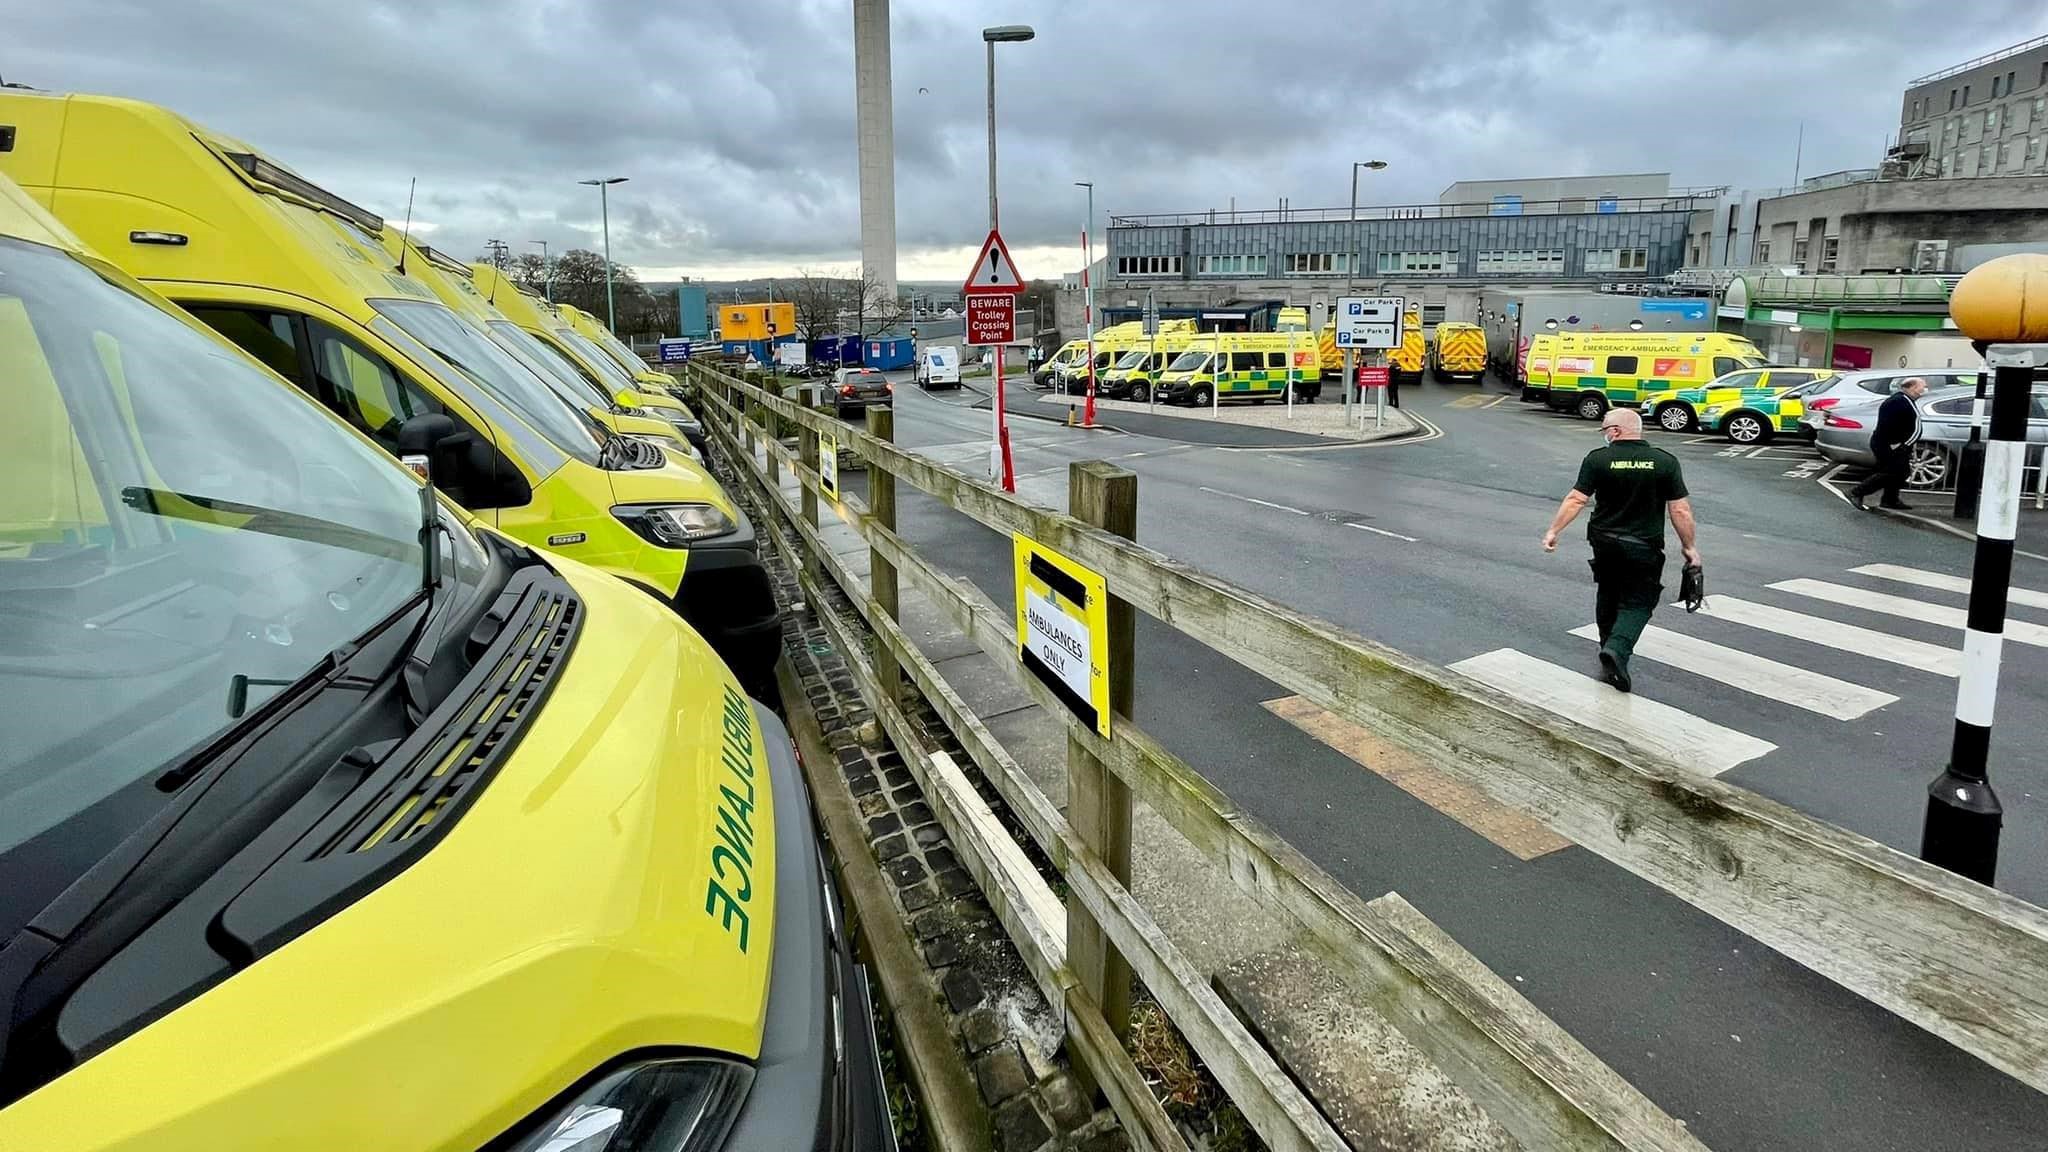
1979,62
1965,962
1824,289
1572,206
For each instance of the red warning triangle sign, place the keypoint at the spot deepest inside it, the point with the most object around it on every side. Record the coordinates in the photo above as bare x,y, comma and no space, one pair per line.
994,272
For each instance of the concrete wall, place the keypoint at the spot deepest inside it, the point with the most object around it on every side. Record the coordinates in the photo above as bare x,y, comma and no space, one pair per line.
1878,223
1948,114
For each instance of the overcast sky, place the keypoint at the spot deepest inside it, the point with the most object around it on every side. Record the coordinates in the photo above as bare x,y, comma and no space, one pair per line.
735,121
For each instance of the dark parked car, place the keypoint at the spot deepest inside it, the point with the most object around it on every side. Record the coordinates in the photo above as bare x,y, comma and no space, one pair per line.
857,389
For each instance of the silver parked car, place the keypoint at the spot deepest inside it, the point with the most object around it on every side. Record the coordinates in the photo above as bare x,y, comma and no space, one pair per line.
1945,416
1854,388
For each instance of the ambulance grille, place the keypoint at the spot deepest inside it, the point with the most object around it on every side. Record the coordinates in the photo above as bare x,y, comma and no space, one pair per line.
444,772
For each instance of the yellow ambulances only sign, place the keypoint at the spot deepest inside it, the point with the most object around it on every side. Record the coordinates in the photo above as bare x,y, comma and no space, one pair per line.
1063,629
828,465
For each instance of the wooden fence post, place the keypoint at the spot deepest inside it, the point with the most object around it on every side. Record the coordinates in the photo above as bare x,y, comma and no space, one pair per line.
1098,802
771,430
882,573
807,455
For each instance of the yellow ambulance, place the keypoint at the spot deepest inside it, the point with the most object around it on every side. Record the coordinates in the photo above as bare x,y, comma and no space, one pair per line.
301,279
1408,360
1590,372
1459,352
320,839
1131,377
593,330
449,280
1254,366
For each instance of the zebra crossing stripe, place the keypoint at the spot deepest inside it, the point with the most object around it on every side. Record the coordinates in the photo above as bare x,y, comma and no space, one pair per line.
1835,634
1670,733
1908,608
1943,582
1799,687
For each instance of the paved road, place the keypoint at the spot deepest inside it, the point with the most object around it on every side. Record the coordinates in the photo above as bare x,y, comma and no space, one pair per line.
1432,548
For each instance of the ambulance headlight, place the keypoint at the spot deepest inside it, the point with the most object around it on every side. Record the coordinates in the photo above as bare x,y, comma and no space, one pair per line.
680,1105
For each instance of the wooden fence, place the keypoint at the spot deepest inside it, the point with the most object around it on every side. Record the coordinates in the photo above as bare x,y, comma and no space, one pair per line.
1962,961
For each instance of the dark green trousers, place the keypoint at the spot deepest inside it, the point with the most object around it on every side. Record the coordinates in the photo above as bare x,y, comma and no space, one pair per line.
1629,575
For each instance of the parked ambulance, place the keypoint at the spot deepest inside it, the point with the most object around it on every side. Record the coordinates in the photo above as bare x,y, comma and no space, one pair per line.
301,279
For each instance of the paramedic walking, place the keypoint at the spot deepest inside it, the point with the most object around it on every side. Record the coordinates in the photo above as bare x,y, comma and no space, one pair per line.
1898,425
1632,487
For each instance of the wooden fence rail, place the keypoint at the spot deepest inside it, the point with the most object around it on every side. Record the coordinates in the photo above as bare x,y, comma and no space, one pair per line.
1962,961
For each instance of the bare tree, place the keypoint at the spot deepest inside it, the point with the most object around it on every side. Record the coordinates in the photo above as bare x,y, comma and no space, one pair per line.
817,297
875,311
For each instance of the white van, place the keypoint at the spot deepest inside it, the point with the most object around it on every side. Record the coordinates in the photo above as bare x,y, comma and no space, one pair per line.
938,367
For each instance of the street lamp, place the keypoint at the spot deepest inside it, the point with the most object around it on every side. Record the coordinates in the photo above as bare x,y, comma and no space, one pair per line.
999,450
1370,166
611,316
547,271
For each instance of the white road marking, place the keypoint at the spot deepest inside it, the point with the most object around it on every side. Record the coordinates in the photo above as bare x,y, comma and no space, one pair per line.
1834,634
1254,500
1792,685
1672,733
1945,583
1759,452
1499,401
1380,531
1910,609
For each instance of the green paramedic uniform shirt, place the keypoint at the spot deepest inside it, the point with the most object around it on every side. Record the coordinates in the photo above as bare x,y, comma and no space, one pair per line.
1630,482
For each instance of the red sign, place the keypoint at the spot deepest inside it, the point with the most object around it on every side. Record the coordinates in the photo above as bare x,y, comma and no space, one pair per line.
1374,376
991,319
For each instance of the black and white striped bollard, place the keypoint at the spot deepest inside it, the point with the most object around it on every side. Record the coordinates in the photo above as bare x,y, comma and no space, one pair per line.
2002,306
1963,813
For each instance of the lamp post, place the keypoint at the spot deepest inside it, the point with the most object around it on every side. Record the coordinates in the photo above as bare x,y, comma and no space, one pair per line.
547,271
1990,306
1088,298
611,317
999,450
1370,166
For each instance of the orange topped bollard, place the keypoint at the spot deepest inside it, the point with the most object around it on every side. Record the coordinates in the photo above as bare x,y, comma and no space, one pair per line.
2003,307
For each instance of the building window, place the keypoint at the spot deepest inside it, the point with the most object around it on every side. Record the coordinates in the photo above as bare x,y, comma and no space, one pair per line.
1983,159
1432,263
1799,246
1617,259
1317,263
2008,80
1951,99
1148,265
2034,154
1693,256
1966,95
1830,252
1763,251
2040,110
1995,82
1521,261
1239,265
2004,155
1991,121
1948,134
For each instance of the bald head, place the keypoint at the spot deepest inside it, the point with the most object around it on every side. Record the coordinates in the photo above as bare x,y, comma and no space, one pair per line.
1624,423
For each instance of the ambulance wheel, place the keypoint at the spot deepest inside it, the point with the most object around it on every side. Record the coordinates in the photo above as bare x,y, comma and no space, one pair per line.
1591,406
1675,417
1746,427
1199,396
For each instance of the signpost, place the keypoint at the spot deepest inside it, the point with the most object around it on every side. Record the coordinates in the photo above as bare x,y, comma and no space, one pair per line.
828,464
674,350
1366,323
992,288
1063,629
1152,330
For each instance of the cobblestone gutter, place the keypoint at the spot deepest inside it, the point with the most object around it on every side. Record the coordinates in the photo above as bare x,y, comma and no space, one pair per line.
998,1020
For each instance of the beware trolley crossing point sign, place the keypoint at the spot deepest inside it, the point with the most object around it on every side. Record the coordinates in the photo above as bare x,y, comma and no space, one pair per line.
994,272
991,319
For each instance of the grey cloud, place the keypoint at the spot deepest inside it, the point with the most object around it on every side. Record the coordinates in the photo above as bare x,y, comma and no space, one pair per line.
735,122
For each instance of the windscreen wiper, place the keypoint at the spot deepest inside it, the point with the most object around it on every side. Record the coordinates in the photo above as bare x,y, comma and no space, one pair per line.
268,521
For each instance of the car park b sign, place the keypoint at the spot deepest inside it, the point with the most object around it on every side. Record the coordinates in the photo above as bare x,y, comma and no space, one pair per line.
1369,321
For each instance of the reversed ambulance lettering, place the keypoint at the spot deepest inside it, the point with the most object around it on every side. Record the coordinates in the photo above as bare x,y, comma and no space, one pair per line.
731,887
